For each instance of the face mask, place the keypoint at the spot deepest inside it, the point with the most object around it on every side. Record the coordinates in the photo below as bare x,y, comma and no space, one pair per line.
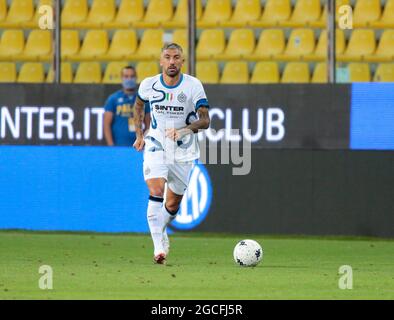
129,84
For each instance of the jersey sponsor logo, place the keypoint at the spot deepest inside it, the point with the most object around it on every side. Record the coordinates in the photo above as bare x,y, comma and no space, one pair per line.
168,108
196,200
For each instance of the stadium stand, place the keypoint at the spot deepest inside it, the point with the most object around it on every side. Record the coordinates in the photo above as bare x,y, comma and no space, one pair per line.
296,72
88,72
244,12
7,72
216,12
265,72
211,43
38,46
12,44
31,72
264,34
270,44
240,45
74,12
320,73
66,73
129,13
207,71
123,45
366,12
113,71
235,72
146,69
384,73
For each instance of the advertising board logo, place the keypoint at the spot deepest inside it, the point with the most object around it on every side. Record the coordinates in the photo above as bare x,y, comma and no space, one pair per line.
196,200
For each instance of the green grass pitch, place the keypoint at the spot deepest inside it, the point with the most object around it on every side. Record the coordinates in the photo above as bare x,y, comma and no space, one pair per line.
200,266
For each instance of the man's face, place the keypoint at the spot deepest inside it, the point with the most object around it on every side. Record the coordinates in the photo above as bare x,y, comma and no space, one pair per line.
171,61
128,74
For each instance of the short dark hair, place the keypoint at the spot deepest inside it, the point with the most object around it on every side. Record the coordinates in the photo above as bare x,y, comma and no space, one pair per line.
172,45
129,68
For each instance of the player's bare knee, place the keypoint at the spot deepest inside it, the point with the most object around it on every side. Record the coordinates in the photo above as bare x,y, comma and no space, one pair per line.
172,205
156,192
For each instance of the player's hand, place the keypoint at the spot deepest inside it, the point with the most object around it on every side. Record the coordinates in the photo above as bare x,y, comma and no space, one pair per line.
139,143
173,134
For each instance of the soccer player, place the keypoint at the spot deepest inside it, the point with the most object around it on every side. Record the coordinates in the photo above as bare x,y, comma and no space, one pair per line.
179,109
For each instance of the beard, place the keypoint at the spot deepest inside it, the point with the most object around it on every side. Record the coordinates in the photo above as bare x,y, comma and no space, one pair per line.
173,72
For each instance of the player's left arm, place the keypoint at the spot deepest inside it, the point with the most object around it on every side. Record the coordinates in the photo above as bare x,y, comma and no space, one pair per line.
202,123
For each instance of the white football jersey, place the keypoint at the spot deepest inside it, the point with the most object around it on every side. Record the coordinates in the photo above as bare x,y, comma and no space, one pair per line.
172,107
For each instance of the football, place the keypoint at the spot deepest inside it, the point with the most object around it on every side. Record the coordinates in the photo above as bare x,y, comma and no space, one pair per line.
248,253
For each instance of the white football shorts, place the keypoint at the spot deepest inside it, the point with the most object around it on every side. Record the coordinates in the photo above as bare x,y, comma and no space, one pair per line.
176,174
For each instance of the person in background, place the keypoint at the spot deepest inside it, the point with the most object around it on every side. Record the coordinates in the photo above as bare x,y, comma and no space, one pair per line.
119,127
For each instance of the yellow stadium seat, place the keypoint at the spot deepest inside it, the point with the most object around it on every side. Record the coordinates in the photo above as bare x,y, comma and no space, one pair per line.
7,72
300,44
322,22
305,12
113,72
359,72
235,72
146,69
11,44
150,45
321,48
207,71
240,45
129,12
101,13
69,43
179,36
365,12
158,12
244,13
95,45
19,13
387,19
210,44
88,72
38,46
384,73
66,73
296,72
31,72
320,73
74,12
181,13
265,72
361,44
3,10
275,12
215,13
123,45
271,43
385,50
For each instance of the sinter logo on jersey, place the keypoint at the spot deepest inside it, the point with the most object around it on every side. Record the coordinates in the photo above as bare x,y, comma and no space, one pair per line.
196,200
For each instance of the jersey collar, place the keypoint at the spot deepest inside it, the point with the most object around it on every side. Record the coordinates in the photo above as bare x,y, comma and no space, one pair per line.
171,87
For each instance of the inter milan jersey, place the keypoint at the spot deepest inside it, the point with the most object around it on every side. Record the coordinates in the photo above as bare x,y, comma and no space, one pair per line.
172,107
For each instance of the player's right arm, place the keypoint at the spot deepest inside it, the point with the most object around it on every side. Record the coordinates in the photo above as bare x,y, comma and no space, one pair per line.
139,115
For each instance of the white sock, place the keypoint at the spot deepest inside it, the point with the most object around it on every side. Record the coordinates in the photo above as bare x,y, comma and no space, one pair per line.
155,221
167,216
